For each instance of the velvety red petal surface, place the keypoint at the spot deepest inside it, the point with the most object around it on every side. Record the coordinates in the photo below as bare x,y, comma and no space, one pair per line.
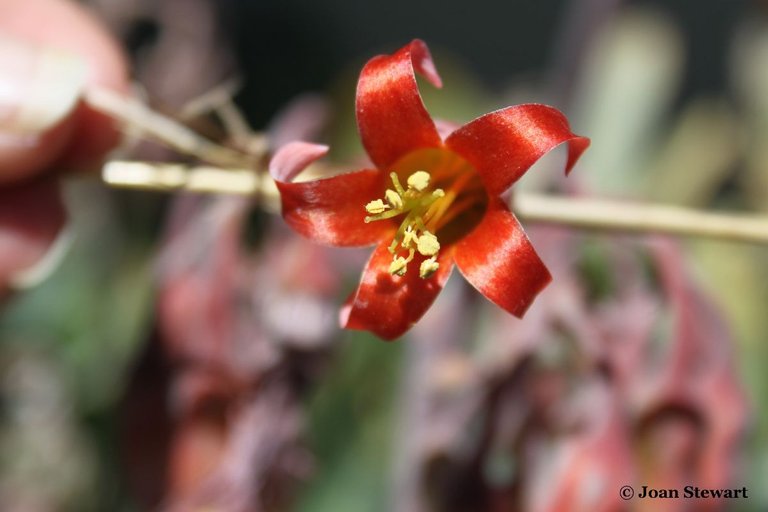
389,305
331,210
502,145
498,259
391,117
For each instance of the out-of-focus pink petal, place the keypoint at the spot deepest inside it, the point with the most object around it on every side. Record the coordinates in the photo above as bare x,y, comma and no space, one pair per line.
504,144
200,269
699,374
389,305
498,259
590,466
293,158
391,117
445,128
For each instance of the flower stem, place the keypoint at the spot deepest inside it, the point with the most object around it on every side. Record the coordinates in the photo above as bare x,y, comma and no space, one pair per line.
598,214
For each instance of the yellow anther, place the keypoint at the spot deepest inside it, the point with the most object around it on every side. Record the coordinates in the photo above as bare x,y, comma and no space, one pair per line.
394,199
428,267
427,244
376,206
398,266
419,181
409,236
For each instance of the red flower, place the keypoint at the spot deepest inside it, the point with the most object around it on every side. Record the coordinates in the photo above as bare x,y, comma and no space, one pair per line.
430,202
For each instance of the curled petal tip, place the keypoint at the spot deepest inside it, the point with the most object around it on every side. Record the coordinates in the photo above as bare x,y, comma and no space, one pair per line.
293,158
504,144
344,313
423,63
391,116
576,147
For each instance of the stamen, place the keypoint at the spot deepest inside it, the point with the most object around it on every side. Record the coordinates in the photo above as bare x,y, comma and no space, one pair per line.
394,199
385,215
419,181
428,244
396,183
409,237
437,211
428,267
404,226
376,206
457,208
399,265
412,235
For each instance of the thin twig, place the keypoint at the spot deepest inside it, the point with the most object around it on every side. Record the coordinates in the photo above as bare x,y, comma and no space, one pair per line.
164,129
630,217
211,99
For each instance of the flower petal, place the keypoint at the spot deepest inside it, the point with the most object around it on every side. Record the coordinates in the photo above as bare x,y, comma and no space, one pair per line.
389,305
294,157
331,210
504,144
391,117
31,216
498,259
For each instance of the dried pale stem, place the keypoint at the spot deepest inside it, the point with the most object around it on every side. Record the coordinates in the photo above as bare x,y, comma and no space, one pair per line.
640,218
164,177
164,129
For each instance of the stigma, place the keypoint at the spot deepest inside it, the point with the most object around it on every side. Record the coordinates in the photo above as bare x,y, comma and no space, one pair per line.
416,203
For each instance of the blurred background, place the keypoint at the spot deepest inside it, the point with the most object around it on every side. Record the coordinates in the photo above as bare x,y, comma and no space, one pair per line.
185,353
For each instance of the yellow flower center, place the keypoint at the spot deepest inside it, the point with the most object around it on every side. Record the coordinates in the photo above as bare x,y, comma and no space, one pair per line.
448,200
412,236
